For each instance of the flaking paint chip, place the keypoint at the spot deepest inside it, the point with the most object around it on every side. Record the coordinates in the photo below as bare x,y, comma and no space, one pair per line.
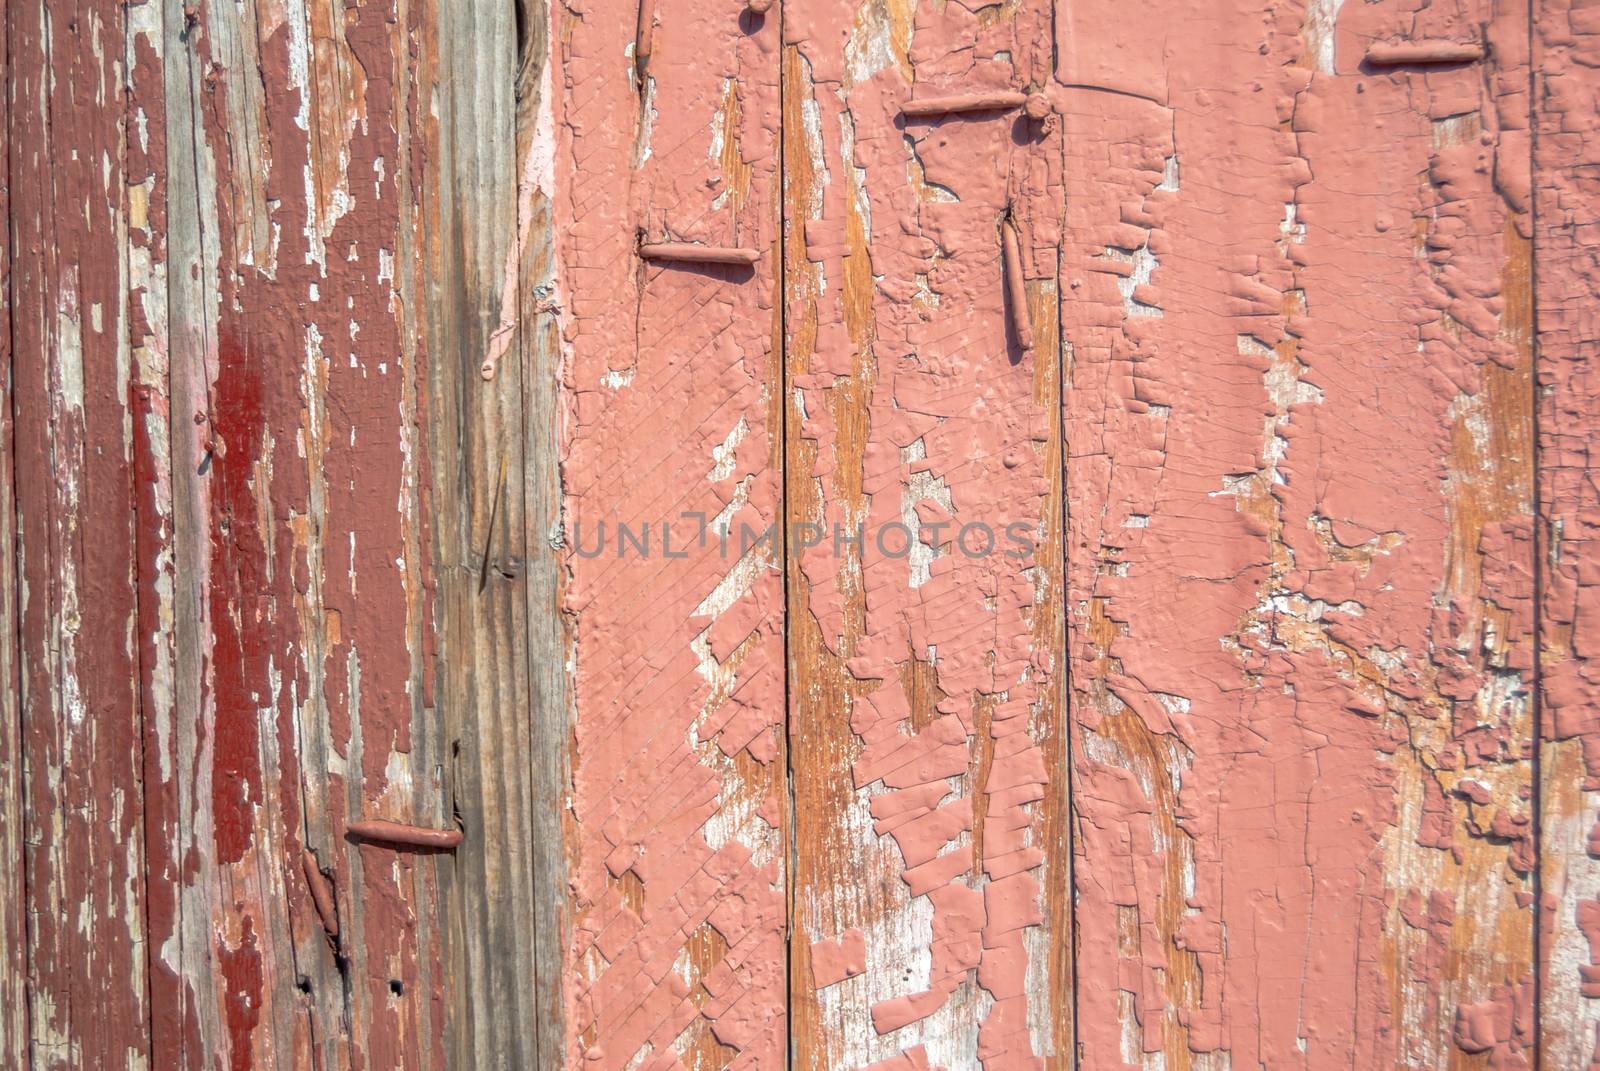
834,961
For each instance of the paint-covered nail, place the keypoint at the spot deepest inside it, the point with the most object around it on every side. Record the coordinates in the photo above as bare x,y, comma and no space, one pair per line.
1016,288
1406,53
703,254
380,829
993,101
1037,106
759,7
644,41
321,892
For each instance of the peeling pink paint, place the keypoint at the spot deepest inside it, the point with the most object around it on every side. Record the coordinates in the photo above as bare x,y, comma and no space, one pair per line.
1261,733
1299,478
1566,151
673,381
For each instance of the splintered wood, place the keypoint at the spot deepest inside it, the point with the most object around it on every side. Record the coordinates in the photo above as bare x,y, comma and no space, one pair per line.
874,535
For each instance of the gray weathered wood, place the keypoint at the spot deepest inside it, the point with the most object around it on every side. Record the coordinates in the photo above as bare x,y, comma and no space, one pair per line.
496,499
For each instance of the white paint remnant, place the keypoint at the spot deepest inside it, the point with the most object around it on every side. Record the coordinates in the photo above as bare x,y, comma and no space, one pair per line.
1319,30
725,454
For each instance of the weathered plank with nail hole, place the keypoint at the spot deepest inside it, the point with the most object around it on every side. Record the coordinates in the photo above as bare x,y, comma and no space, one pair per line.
225,590
502,646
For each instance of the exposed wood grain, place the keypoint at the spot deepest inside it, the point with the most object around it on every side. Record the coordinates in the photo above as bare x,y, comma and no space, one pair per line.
927,709
672,397
502,648
228,623
549,642
1566,163
1299,551
165,454
285,663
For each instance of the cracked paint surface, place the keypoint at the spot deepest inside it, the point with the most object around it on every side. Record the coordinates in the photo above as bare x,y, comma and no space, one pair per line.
927,702
1299,547
1567,154
672,385
1257,731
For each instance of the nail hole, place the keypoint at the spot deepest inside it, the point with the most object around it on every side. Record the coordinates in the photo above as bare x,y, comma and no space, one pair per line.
397,987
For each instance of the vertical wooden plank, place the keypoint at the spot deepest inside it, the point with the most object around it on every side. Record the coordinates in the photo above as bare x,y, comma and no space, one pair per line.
1567,267
13,901
291,391
931,903
226,591
175,954
1300,542
83,864
488,237
672,379
548,643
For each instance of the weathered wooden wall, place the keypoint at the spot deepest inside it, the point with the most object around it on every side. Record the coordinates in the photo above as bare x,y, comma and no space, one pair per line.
359,459
225,564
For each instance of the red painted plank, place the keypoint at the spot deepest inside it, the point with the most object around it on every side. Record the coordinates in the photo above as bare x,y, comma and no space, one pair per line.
13,898
317,604
83,864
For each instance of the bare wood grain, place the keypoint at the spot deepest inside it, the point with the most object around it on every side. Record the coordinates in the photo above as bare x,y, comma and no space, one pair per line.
549,643
478,244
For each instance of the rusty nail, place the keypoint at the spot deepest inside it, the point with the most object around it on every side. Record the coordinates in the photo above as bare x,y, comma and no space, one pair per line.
1405,53
381,829
1016,289
996,101
321,893
645,40
705,254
